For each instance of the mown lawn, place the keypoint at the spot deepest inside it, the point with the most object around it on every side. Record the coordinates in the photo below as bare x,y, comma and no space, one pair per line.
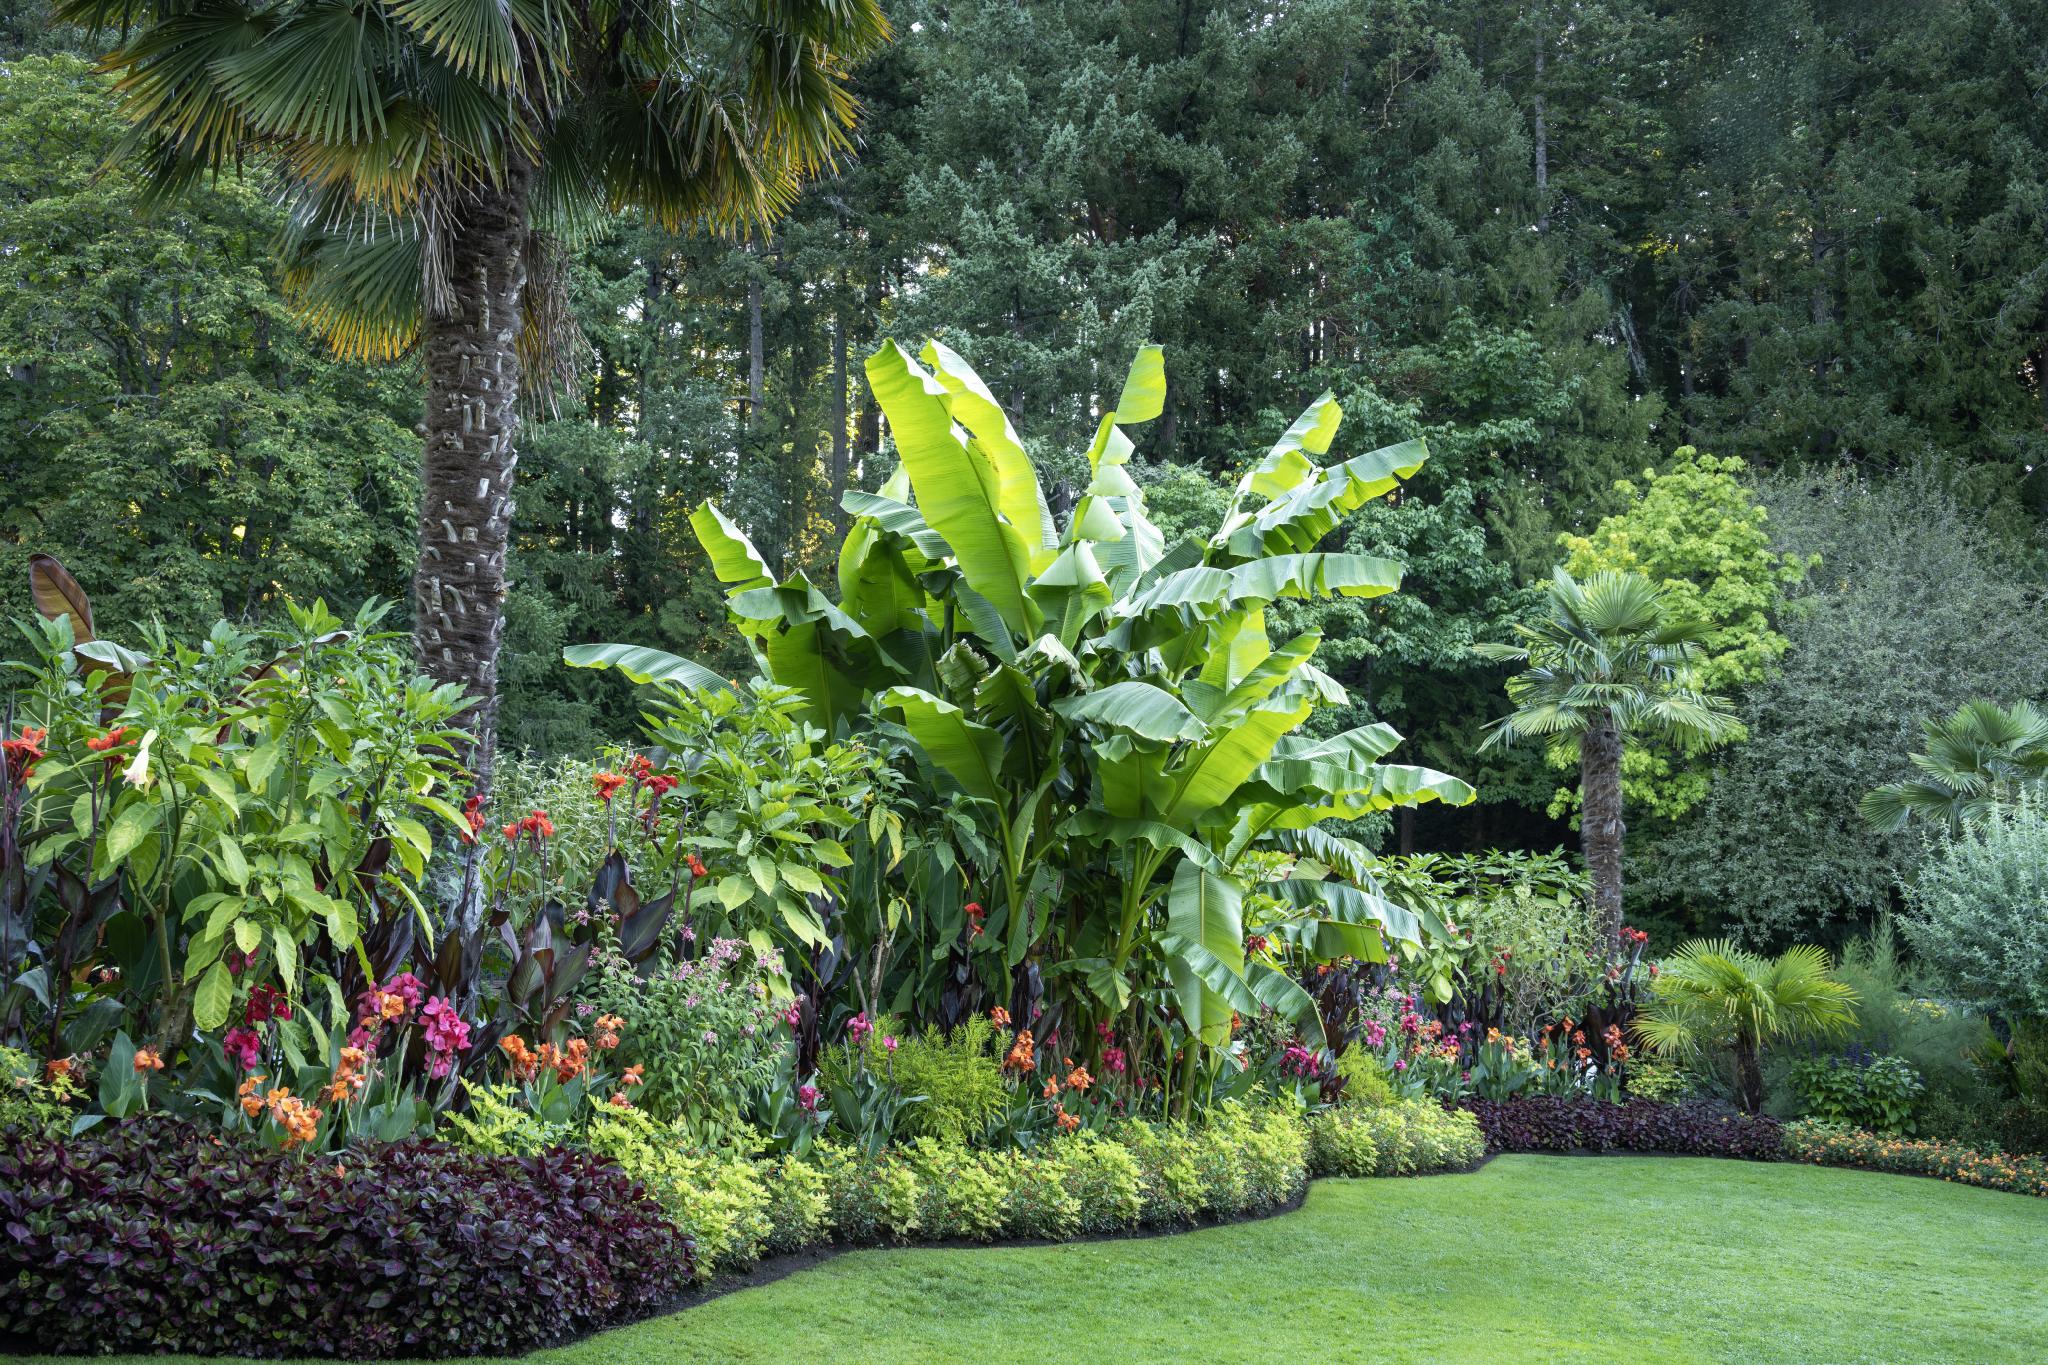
1531,1258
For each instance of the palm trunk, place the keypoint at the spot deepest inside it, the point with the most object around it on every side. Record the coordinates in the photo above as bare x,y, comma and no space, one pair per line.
472,419
1749,1077
1600,825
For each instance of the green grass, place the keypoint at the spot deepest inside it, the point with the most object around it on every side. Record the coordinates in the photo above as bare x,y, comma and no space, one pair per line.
1530,1258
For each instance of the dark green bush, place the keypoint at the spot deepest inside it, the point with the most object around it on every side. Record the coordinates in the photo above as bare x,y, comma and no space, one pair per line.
1878,1093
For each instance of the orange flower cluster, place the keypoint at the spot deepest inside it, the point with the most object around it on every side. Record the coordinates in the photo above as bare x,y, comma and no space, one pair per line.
57,1069
1617,1050
607,1036
1951,1161
1020,1058
147,1060
566,1062
607,784
1067,1122
300,1121
1079,1079
524,1063
1000,1017
348,1079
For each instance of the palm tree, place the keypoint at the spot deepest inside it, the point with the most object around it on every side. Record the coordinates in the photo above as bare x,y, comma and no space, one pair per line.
1605,667
1981,757
440,155
1712,994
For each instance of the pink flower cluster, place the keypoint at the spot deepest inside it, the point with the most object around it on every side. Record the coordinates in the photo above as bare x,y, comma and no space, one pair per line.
1299,1061
447,1033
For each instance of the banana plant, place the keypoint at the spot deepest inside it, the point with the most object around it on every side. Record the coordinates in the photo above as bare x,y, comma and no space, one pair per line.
1112,706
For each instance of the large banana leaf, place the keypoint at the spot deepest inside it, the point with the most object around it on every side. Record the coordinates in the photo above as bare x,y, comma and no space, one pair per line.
1206,908
1212,772
1287,465
975,408
1299,519
733,557
643,665
958,488
1193,967
965,750
1138,708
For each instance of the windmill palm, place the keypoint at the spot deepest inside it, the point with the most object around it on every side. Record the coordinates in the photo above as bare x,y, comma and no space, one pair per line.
1979,758
1712,994
439,155
1605,666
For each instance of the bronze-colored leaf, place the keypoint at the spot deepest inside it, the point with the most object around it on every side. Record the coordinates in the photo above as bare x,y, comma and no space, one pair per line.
57,593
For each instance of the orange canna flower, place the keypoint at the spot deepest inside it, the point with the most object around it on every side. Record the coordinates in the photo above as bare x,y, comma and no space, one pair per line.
632,1076
147,1059
1020,1057
1079,1078
1051,1088
1000,1017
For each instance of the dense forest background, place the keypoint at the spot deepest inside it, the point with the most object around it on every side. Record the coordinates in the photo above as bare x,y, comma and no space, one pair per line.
1561,240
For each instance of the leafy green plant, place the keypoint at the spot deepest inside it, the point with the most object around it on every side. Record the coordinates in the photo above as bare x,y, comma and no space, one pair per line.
1878,1093
193,828
1714,995
703,1031
1110,707
956,1077
1407,1137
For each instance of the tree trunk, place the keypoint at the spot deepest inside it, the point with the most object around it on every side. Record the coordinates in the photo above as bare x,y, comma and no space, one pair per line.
756,354
472,420
1749,1078
1600,825
1542,139
841,453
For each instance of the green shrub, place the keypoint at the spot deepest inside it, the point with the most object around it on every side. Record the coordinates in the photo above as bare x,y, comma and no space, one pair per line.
1660,1078
1365,1077
1040,1202
962,1192
1103,1179
868,1198
1340,1143
1418,1137
1973,914
1879,1094
26,1100
498,1124
703,1030
718,1198
1171,1191
796,1205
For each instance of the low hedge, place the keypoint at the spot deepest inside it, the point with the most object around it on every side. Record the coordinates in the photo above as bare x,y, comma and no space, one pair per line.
1401,1137
151,1236
1828,1144
1240,1160
1550,1123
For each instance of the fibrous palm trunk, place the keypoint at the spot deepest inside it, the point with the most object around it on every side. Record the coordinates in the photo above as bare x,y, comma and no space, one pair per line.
1600,824
470,349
